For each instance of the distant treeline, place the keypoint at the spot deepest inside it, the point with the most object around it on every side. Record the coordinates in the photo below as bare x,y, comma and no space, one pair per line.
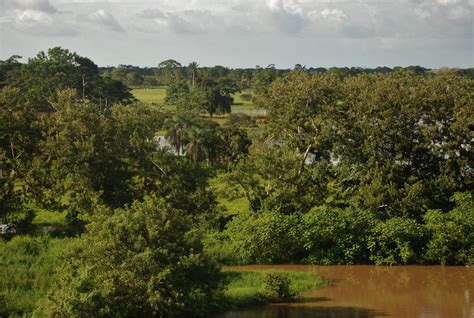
246,78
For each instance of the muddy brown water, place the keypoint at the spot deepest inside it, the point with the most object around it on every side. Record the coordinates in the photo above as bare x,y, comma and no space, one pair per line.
375,291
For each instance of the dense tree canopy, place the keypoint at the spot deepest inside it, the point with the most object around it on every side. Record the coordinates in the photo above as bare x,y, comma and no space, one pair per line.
140,261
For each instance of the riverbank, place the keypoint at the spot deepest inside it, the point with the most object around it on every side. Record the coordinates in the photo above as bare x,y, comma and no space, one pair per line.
245,288
371,291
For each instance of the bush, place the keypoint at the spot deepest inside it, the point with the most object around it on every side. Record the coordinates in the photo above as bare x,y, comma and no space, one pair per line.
142,261
267,237
337,236
397,241
277,288
452,233
246,96
27,266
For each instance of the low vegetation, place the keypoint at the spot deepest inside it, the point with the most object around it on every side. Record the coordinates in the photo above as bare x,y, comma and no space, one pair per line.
246,288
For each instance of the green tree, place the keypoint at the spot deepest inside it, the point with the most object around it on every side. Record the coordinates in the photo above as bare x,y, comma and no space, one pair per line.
193,68
47,73
170,71
18,139
138,261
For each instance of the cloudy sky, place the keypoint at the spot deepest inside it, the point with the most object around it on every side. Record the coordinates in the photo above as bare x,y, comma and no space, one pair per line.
245,33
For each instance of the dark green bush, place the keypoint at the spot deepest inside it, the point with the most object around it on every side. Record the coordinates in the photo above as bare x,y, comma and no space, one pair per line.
397,241
452,234
337,236
267,237
277,288
246,96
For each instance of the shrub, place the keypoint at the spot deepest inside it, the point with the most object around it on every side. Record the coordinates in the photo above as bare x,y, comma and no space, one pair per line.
397,241
277,288
142,261
452,233
337,236
267,237
246,96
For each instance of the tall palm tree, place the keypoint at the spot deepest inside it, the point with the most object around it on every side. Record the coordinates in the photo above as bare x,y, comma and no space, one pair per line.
178,130
193,67
198,146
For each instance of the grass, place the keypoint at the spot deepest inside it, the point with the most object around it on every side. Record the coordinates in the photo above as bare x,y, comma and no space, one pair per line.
27,267
244,288
45,217
157,95
241,104
150,95
232,200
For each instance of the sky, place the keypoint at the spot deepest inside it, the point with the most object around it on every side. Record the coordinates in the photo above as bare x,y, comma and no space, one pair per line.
245,33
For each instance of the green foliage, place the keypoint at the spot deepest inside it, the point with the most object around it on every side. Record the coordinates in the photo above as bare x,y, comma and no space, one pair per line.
240,120
397,241
452,233
360,124
46,74
18,137
91,155
138,261
277,288
204,140
266,237
337,236
246,96
175,91
27,266
277,179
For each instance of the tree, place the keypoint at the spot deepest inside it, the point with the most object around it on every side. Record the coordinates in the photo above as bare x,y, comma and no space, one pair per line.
138,261
175,91
9,70
47,73
93,156
170,70
18,141
193,69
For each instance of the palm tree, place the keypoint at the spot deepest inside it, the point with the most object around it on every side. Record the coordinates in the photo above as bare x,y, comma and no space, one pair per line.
193,67
197,148
179,130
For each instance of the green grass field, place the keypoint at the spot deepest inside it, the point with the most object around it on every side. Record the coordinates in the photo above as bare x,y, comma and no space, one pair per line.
241,104
150,95
157,95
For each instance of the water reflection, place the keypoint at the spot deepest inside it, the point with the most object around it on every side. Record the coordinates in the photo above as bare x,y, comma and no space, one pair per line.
313,312
378,291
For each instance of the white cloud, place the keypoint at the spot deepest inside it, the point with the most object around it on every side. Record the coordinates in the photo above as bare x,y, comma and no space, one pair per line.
333,14
103,18
386,24
38,5
35,17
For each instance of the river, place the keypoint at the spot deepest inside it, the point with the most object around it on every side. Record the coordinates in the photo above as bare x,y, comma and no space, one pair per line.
364,291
